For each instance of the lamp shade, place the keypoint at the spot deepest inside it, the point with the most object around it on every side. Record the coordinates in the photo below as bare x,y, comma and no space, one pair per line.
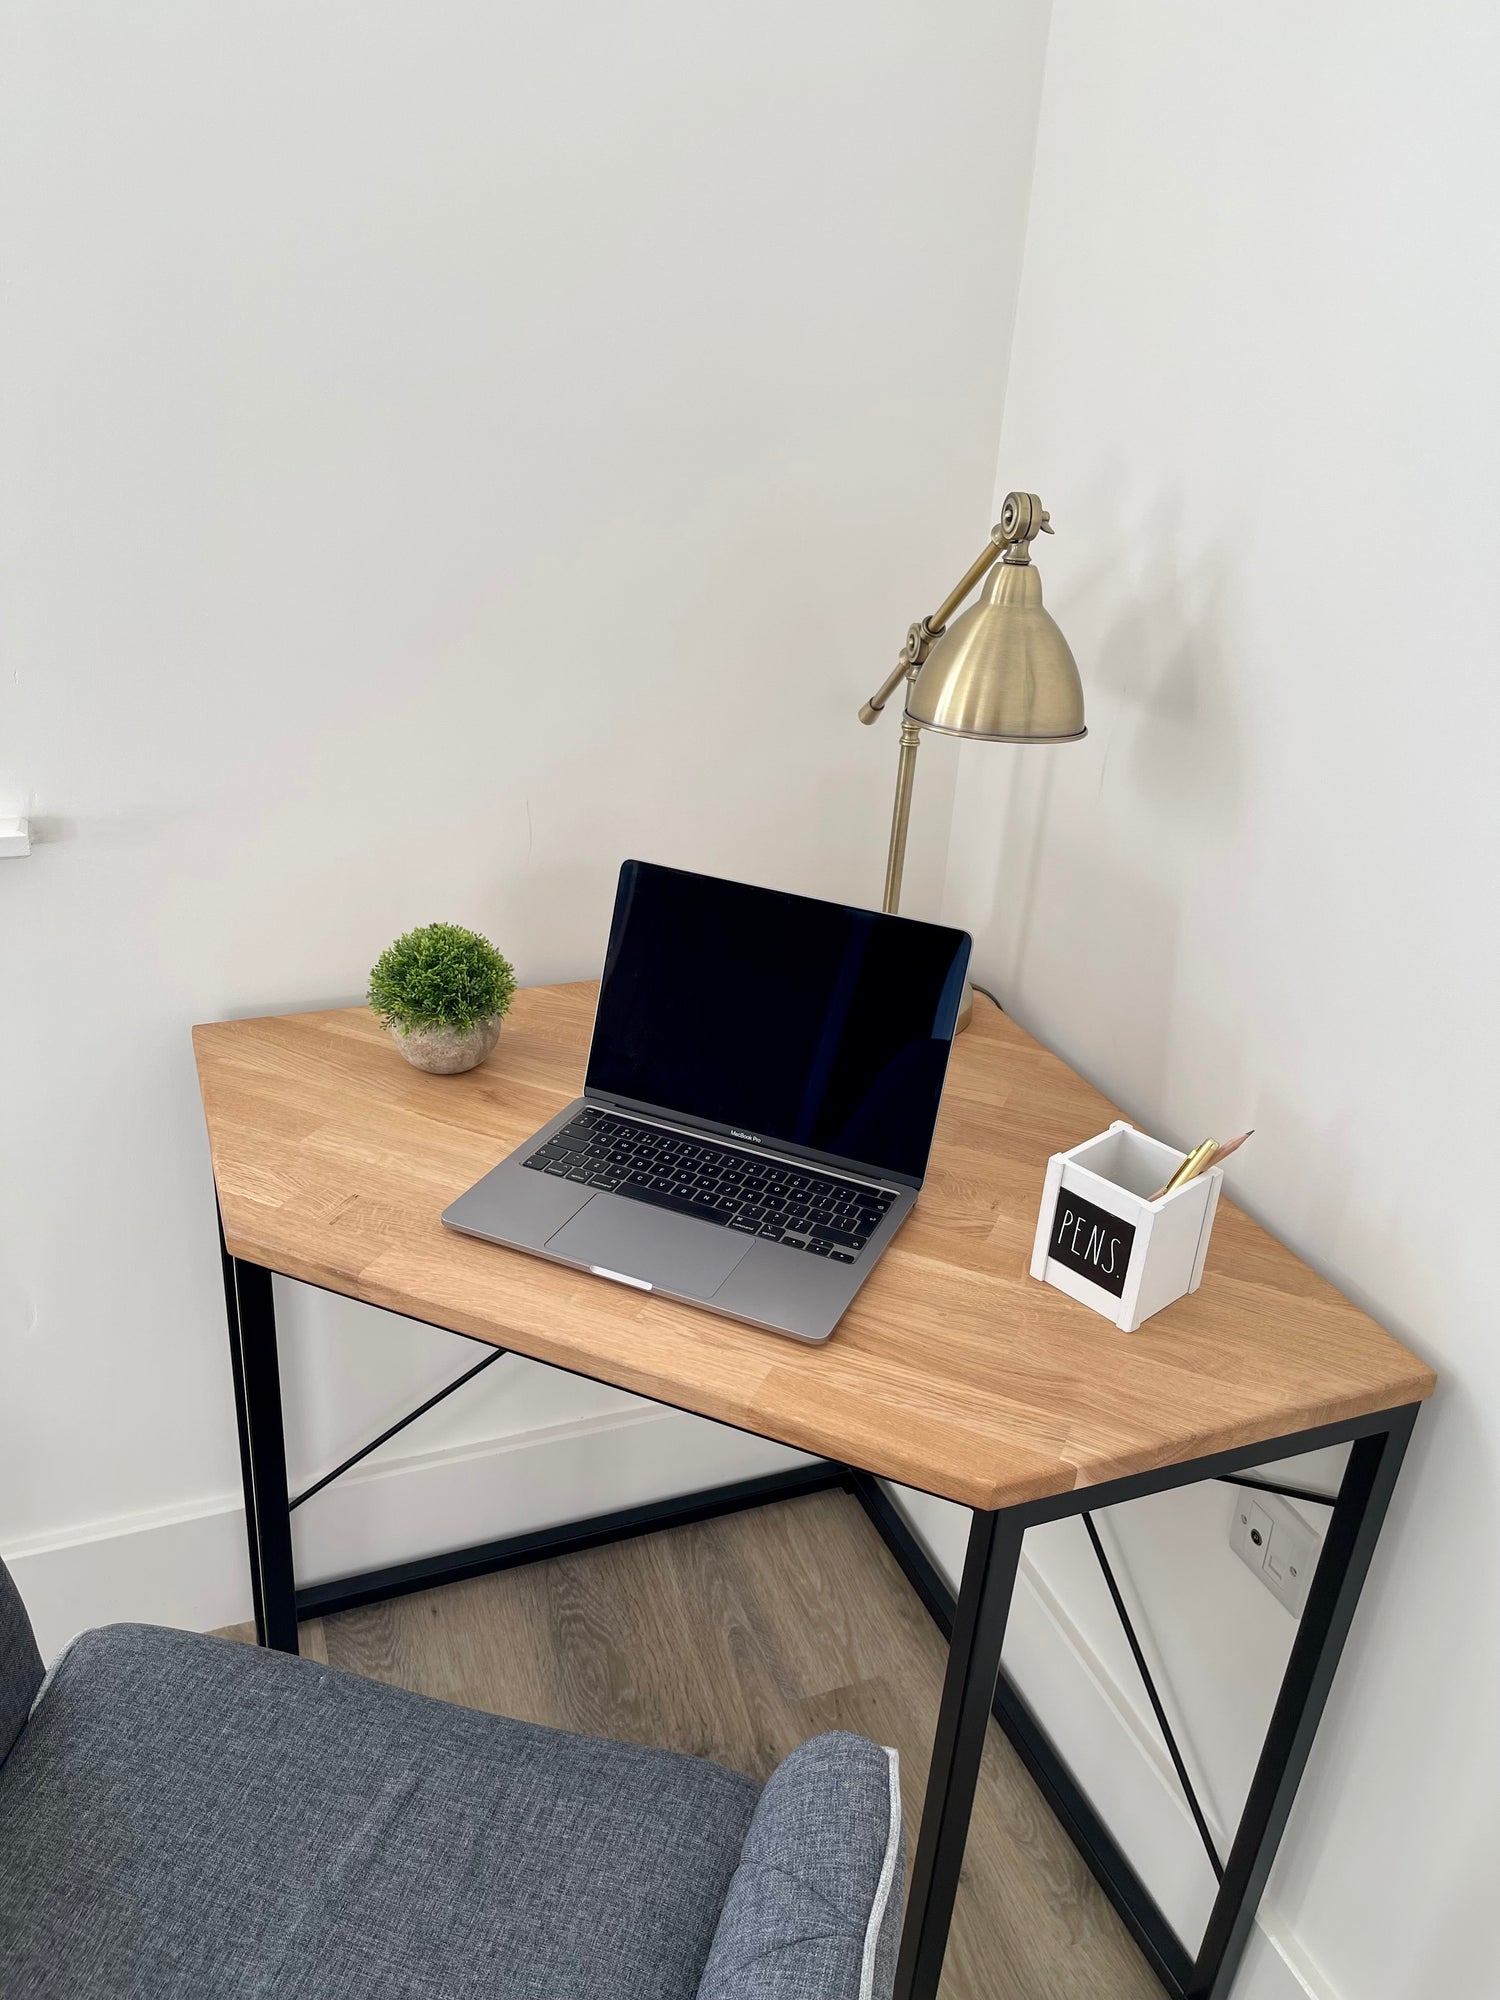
1002,671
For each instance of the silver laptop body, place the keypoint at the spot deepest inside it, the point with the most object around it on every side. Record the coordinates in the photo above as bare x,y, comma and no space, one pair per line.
689,1199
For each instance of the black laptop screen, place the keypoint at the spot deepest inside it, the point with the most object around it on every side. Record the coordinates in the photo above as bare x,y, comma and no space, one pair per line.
792,1021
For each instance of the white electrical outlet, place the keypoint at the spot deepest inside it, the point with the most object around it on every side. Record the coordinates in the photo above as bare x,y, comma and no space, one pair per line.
1270,1537
15,837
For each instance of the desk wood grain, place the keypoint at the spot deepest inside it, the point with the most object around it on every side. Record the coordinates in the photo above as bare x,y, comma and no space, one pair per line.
953,1371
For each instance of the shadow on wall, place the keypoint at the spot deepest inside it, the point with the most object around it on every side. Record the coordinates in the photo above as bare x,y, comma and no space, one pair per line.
1132,924
1157,668
1145,615
1112,830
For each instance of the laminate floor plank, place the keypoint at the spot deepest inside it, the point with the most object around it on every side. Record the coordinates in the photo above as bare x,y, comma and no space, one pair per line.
737,1639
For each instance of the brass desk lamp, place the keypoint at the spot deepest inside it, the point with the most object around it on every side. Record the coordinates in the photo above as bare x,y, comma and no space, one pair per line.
1003,674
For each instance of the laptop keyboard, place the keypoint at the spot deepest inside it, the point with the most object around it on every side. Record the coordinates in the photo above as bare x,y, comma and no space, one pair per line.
805,1209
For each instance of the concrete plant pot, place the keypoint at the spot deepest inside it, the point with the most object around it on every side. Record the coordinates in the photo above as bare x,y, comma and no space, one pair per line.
448,1051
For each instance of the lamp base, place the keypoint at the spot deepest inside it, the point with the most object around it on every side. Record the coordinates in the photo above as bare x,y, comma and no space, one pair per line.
965,1009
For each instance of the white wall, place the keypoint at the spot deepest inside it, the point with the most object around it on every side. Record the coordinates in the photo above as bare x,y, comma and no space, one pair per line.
446,451
1253,377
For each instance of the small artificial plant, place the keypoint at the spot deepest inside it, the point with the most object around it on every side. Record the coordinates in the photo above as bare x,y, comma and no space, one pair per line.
440,976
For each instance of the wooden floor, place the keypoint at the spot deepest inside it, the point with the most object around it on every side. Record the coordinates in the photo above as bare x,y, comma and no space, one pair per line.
737,1640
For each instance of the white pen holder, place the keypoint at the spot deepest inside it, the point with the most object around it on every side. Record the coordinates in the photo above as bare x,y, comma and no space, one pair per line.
1102,1240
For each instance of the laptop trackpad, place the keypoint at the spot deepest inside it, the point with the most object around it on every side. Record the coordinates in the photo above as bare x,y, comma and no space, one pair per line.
671,1252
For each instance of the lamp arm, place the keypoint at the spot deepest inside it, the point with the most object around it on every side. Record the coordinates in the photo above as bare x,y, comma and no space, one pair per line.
878,700
1021,517
919,639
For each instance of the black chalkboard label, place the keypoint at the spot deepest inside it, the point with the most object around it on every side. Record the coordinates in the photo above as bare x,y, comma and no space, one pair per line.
1091,1241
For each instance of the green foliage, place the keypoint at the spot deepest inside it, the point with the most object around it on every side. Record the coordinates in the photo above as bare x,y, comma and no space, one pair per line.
441,976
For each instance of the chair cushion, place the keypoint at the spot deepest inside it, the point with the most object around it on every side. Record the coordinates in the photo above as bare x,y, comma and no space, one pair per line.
20,1663
814,1910
190,1817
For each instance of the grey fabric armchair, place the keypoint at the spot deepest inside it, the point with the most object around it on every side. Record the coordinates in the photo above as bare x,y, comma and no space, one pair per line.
189,1819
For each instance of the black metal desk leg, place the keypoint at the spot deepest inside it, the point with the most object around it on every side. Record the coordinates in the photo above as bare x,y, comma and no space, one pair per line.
963,1717
232,1315
1364,1495
257,1399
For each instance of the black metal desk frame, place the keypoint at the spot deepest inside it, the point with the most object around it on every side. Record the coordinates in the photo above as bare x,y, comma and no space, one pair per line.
975,1686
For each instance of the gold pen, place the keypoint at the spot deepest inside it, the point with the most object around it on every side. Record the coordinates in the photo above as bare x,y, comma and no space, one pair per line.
1190,1169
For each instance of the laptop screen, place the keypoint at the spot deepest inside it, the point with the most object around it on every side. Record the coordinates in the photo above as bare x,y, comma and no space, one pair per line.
778,1018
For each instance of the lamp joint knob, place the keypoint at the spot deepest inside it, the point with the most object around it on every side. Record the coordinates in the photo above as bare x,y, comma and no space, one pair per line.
1022,517
920,640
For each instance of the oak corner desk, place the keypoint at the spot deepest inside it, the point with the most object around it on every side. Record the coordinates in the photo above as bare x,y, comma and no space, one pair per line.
953,1372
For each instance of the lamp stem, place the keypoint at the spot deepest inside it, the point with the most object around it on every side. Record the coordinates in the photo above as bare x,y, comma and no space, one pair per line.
906,771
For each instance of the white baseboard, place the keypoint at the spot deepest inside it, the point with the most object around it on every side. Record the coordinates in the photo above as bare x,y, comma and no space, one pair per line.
183,1567
1122,1767
187,1566
1275,1966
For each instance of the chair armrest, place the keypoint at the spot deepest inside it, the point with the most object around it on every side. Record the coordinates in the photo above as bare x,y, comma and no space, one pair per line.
20,1663
814,1909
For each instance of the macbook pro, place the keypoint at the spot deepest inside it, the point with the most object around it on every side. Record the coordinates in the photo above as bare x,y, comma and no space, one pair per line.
758,1108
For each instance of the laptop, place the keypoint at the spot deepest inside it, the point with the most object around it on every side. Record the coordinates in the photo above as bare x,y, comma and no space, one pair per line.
758,1109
